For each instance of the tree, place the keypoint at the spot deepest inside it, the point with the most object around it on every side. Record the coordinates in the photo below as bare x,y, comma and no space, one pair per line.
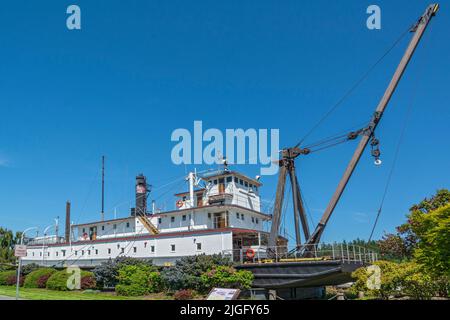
7,242
432,230
403,243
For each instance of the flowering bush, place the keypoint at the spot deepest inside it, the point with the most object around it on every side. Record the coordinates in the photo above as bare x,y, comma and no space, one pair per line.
183,295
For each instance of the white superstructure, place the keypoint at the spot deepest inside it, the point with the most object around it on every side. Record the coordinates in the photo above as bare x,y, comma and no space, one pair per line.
219,213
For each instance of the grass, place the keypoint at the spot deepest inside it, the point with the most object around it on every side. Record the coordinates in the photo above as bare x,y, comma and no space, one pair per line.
44,294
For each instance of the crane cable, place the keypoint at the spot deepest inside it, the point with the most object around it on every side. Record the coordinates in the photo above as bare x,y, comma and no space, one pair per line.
353,88
397,151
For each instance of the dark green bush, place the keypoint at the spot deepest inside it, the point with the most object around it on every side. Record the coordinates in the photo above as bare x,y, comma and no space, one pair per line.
186,273
28,268
106,274
38,278
59,281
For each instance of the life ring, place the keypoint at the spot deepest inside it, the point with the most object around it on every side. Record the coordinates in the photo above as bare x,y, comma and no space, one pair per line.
85,236
179,203
250,253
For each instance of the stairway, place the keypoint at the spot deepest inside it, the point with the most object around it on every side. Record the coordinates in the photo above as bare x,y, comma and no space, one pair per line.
148,225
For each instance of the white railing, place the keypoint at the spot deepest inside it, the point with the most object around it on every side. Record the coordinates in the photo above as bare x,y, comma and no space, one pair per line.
322,252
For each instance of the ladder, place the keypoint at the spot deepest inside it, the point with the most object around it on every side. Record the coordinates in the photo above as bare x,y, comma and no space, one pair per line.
148,225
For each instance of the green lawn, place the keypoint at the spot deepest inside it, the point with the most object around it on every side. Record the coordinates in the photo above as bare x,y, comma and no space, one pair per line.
44,294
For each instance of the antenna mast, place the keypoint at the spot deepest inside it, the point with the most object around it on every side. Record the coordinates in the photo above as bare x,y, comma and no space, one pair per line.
103,189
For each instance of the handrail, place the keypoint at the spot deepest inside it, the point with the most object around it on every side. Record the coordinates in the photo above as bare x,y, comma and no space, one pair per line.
321,252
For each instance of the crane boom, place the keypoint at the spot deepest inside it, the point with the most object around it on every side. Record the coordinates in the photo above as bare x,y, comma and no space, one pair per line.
287,165
419,30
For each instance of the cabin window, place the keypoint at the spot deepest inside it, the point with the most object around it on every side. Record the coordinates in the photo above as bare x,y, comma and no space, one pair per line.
253,219
172,247
257,220
221,180
242,217
256,189
145,244
237,215
229,179
82,252
209,215
56,253
241,182
103,228
48,254
246,184
40,254
96,251
84,230
134,249
184,198
236,180
76,252
152,248
199,246
172,219
109,251
115,226
184,218
63,253
89,252
159,220
122,250
128,224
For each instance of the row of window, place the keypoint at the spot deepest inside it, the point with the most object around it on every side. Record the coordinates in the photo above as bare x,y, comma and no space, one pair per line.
114,227
122,250
242,217
237,181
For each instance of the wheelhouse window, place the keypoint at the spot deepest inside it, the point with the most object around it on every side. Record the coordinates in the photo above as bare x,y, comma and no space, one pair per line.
152,248
172,219
184,217
128,224
172,247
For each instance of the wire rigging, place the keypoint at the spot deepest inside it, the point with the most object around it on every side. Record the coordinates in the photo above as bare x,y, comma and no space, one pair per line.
352,89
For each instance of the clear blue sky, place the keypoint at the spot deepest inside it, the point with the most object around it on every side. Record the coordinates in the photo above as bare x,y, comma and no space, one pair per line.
140,69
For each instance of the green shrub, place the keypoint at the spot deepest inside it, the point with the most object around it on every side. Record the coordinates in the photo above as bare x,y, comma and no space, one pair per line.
138,280
28,268
38,278
187,271
106,274
8,278
399,279
59,281
227,277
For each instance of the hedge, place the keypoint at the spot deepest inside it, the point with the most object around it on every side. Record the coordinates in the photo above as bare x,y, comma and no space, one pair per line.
59,281
9,278
38,278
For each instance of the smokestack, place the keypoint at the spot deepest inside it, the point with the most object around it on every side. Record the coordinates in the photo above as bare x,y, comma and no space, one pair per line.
67,231
141,195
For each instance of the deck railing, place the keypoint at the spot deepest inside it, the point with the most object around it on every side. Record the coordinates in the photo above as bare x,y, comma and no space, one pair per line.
321,252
